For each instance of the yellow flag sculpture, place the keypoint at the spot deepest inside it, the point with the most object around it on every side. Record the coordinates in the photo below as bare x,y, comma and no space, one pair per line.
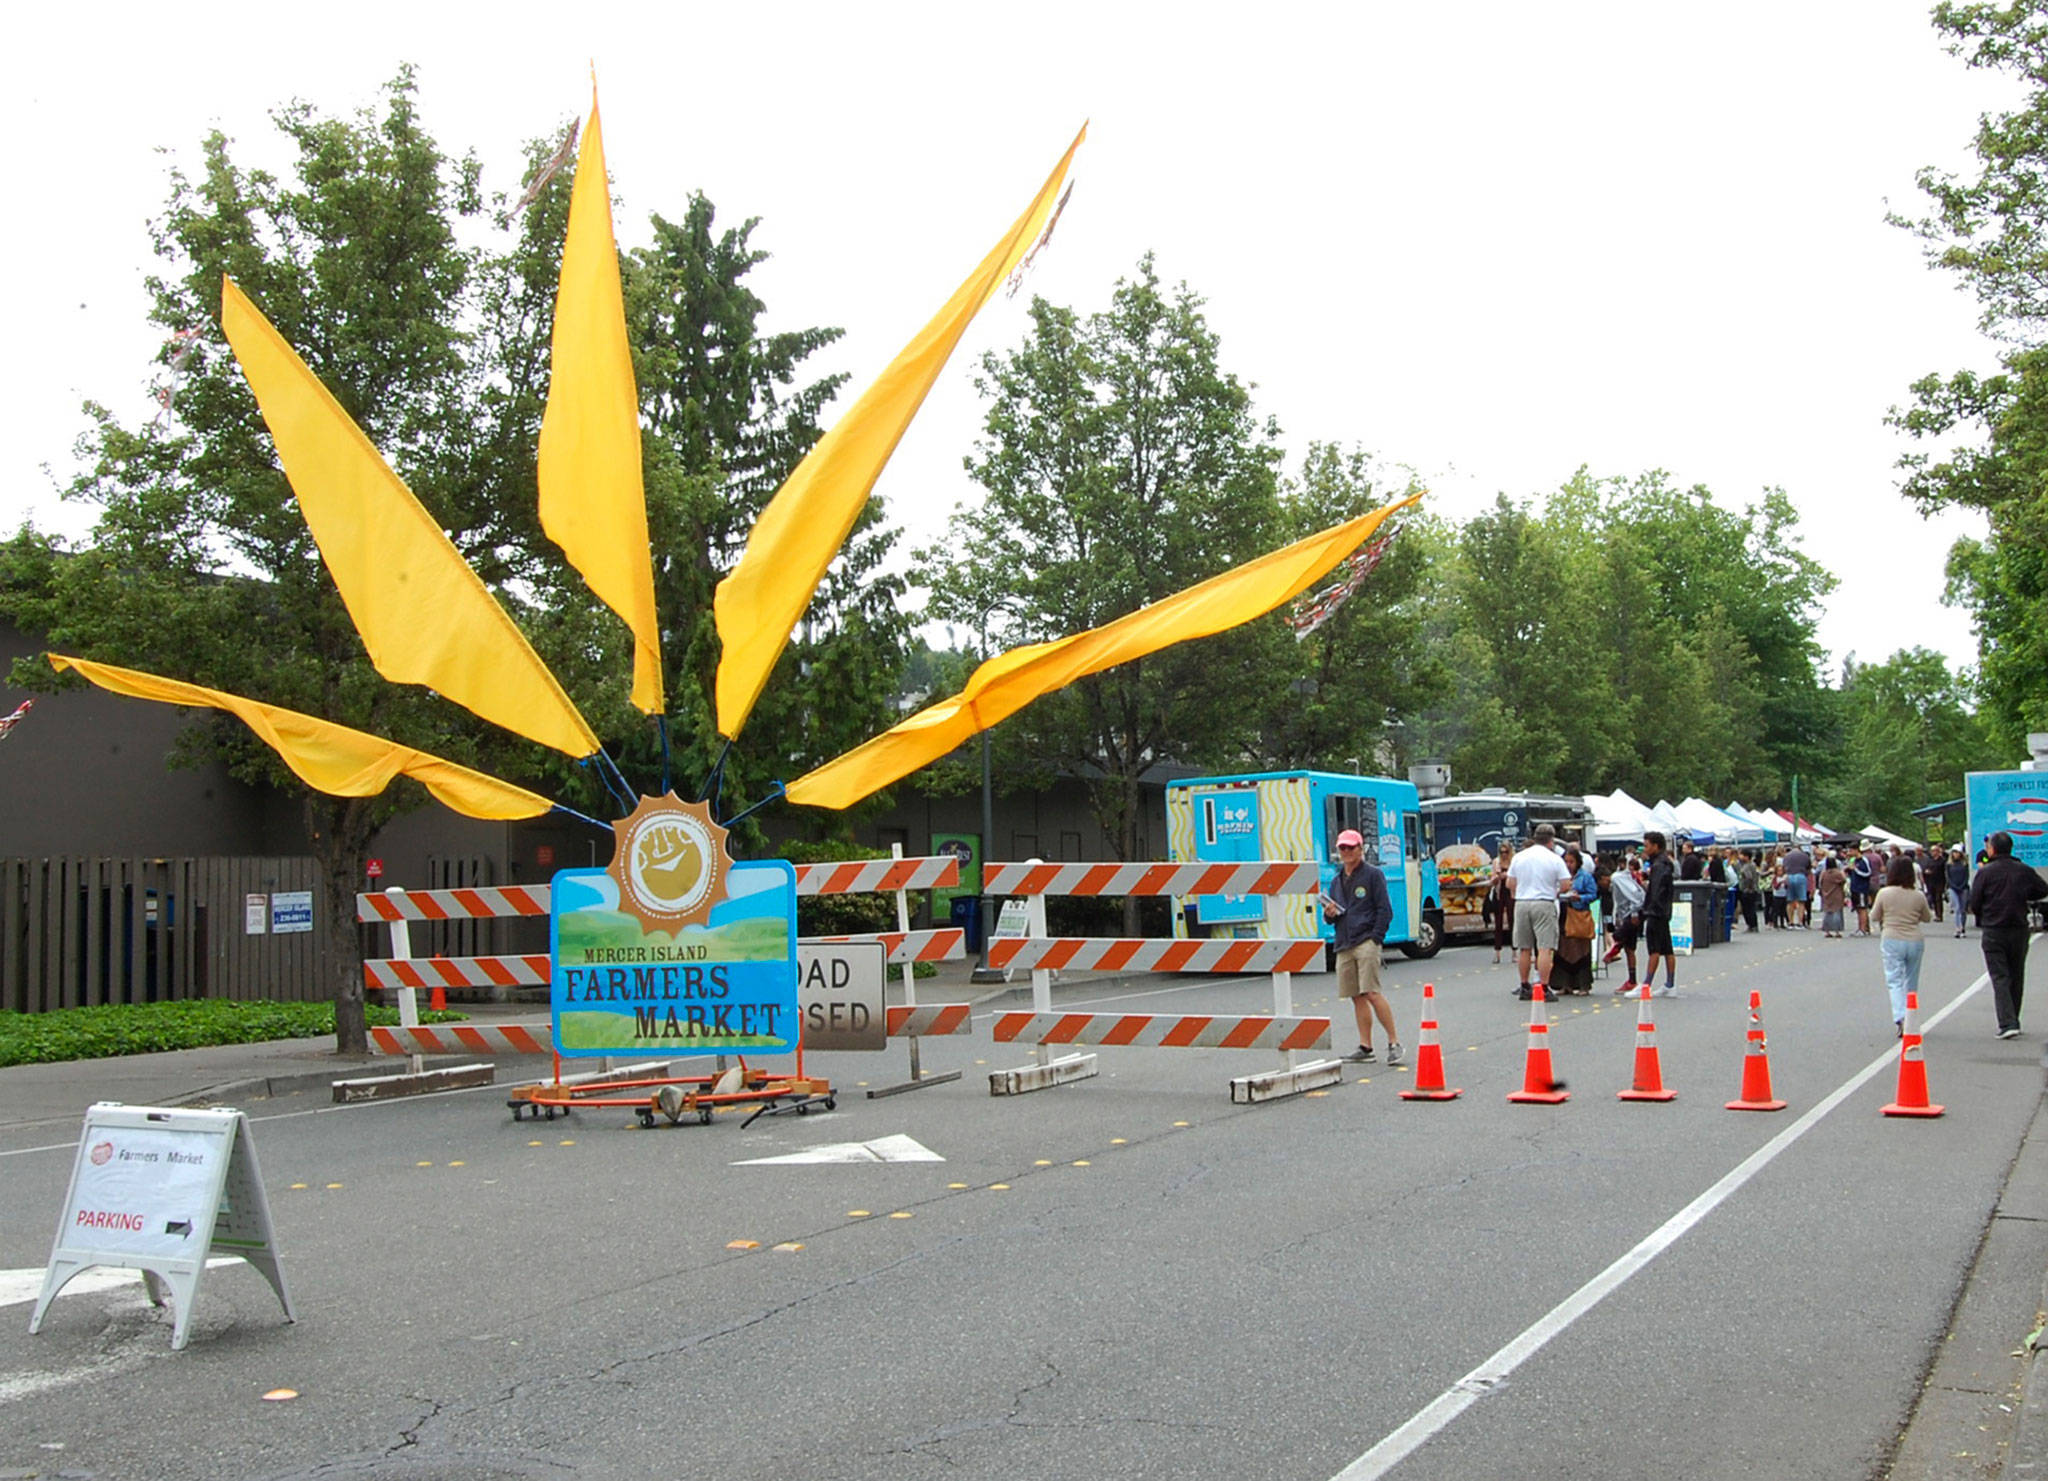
424,615
1009,681
591,500
331,758
759,603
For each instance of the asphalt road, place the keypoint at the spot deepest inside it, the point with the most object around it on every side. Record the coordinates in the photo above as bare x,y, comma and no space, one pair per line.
1165,1284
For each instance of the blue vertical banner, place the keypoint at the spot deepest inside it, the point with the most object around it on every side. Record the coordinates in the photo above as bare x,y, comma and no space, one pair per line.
2014,802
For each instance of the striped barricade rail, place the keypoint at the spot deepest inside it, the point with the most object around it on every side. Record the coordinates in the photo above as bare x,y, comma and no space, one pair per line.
1130,954
1264,877
945,944
1164,1030
1280,956
874,876
465,1038
457,971
928,1019
481,903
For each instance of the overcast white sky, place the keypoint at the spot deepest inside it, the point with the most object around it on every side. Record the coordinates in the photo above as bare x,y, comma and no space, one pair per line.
1493,242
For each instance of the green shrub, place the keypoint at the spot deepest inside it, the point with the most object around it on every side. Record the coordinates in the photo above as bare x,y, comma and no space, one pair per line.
148,1028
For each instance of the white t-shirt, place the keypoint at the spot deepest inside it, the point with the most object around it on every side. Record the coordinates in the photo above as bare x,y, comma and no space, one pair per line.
1537,872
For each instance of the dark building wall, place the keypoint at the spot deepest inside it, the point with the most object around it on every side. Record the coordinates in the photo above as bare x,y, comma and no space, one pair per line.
85,773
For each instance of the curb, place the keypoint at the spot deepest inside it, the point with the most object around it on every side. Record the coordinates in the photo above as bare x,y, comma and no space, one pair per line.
2028,1453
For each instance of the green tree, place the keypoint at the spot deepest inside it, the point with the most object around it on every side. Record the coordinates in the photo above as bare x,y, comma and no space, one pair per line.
1909,733
1340,692
199,564
1121,464
1990,228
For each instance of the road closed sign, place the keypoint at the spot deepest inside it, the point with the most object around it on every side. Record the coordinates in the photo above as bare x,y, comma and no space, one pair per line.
839,993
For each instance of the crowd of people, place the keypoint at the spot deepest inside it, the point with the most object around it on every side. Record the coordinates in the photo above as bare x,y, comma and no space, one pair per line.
1540,898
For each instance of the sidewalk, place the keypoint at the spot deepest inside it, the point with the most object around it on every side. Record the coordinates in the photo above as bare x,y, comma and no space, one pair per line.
56,1095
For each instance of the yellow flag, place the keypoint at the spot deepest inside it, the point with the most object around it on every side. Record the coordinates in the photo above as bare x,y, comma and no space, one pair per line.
325,756
804,525
424,615
591,500
1009,681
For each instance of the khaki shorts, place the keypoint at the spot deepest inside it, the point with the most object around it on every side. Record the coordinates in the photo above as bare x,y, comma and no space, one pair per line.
1535,925
1358,969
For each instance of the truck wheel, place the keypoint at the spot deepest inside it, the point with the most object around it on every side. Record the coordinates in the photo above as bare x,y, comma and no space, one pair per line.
1429,937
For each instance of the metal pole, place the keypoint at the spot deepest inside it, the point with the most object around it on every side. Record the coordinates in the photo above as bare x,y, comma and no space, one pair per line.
988,843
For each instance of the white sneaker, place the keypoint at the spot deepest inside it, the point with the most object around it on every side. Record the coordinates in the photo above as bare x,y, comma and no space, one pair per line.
1393,1054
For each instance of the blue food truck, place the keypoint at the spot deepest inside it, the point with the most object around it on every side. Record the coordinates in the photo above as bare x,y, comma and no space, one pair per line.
1297,815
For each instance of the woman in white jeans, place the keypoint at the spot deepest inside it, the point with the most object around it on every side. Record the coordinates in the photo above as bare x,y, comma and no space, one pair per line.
1900,911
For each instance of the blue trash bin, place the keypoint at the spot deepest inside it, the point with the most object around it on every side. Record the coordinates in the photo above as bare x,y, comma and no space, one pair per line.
966,915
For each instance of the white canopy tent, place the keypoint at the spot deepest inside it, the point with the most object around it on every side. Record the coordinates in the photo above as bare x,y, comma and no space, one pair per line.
1677,829
1617,818
1700,815
1774,827
1873,834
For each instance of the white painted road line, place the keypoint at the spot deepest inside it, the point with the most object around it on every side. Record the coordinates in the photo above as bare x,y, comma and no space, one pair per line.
17,1287
898,1148
1483,1379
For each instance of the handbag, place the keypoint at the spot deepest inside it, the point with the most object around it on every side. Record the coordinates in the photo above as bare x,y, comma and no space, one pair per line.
1578,924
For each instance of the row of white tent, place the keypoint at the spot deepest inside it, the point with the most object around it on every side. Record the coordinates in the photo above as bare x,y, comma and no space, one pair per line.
1619,818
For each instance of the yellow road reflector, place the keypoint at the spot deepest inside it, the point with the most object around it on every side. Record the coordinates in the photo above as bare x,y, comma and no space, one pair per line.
279,1395
1315,1094
423,1164
565,1144
902,1213
956,1185
1117,1141
1183,1123
788,1247
458,1164
999,1187
298,1185
536,1144
856,1213
743,1244
1084,1162
333,1185
1043,1162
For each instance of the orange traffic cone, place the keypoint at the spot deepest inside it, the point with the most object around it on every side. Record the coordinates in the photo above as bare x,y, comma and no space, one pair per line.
1756,1065
1539,1086
1429,1056
1912,1099
437,1000
1649,1083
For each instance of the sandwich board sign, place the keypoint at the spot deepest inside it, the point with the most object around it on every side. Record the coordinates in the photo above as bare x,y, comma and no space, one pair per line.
159,1190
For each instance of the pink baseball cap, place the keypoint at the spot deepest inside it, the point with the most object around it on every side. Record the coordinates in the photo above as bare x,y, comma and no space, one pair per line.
1350,838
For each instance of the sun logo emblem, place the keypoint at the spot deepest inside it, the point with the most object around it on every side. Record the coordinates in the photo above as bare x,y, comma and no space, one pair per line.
670,862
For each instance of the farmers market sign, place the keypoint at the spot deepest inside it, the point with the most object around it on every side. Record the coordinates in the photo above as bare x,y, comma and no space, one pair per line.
674,948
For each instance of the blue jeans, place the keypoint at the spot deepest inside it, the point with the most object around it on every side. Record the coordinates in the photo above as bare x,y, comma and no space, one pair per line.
1901,970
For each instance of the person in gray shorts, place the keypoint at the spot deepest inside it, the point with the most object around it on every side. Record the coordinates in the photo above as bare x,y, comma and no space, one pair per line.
1537,876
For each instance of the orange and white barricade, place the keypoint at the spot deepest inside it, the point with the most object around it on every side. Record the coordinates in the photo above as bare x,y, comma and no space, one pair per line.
1042,953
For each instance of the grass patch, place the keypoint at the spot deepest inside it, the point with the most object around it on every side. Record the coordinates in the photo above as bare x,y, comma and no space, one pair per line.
149,1028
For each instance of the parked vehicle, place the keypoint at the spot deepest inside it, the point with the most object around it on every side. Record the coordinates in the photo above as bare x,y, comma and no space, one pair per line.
1463,835
1297,815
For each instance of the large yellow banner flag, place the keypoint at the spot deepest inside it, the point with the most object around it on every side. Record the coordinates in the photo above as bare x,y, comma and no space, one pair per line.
591,500
1009,681
424,615
804,525
331,758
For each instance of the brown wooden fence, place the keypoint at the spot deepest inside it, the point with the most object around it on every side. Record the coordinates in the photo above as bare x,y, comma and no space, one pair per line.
82,931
